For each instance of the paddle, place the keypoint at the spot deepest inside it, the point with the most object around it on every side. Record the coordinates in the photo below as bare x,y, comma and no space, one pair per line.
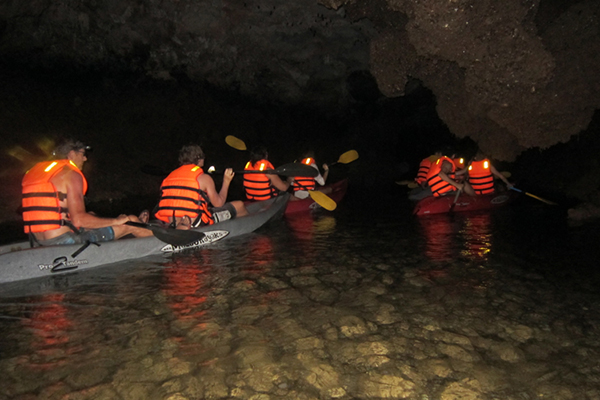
172,236
410,184
292,169
455,198
535,197
236,143
323,200
347,157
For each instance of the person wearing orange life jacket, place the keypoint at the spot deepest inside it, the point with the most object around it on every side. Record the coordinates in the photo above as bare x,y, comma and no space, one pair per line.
440,178
482,174
262,186
302,184
424,167
189,198
54,211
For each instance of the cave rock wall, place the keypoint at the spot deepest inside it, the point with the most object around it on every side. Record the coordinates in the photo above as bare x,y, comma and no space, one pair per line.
511,75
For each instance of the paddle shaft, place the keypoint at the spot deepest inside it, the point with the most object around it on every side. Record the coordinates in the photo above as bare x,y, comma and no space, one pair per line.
177,237
534,196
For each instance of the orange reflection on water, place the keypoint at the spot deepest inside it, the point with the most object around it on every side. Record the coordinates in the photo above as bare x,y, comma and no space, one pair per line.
447,237
477,236
49,325
439,236
185,281
261,251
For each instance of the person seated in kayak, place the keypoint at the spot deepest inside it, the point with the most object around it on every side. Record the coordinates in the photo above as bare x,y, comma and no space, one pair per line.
54,210
482,173
424,167
441,179
189,198
302,184
262,186
424,190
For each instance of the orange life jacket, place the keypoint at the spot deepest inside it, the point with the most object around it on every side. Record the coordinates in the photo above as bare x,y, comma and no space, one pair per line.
181,196
258,186
459,163
436,183
481,177
424,167
41,200
304,182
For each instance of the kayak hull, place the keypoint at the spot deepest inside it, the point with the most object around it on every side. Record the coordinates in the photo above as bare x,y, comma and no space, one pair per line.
296,206
20,262
439,205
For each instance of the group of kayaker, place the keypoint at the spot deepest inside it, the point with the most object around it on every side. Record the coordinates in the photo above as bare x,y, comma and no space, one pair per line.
54,211
443,173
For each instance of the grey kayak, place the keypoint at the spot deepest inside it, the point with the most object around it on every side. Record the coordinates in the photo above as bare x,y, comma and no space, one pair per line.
20,262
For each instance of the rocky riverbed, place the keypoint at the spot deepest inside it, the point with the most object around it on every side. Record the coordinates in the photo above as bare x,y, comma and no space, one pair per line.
338,328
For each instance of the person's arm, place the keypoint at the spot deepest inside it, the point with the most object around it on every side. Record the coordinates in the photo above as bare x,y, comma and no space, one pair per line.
321,179
277,182
446,178
500,176
76,205
217,199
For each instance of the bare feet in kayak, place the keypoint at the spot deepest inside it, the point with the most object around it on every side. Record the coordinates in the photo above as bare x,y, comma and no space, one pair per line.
144,216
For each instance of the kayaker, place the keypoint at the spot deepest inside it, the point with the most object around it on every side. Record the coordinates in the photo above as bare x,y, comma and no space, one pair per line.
441,179
189,198
262,186
424,167
302,184
482,173
54,211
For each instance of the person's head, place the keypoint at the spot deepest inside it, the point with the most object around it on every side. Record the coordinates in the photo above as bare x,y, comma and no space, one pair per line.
258,153
446,166
480,155
309,153
191,154
449,151
73,150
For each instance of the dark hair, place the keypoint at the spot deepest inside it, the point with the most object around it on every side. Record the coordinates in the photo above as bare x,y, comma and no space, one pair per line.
190,154
61,151
258,153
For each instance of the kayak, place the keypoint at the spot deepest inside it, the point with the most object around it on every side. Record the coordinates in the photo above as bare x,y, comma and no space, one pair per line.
439,205
295,205
20,262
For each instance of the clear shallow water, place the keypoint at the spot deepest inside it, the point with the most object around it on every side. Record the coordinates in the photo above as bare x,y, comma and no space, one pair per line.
336,305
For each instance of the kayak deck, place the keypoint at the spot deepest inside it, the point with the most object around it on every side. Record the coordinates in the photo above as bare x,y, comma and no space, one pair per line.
438,205
19,261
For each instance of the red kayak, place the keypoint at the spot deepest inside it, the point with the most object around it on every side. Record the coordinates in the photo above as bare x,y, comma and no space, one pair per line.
444,204
338,190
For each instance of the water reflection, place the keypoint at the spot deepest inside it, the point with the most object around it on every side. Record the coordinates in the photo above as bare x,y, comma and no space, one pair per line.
184,284
309,227
476,235
448,236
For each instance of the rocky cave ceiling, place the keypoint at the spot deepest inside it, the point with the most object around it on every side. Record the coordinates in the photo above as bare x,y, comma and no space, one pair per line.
510,74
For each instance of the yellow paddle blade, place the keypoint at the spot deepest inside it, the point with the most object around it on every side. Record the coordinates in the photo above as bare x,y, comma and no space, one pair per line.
410,184
236,143
348,157
506,174
323,200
